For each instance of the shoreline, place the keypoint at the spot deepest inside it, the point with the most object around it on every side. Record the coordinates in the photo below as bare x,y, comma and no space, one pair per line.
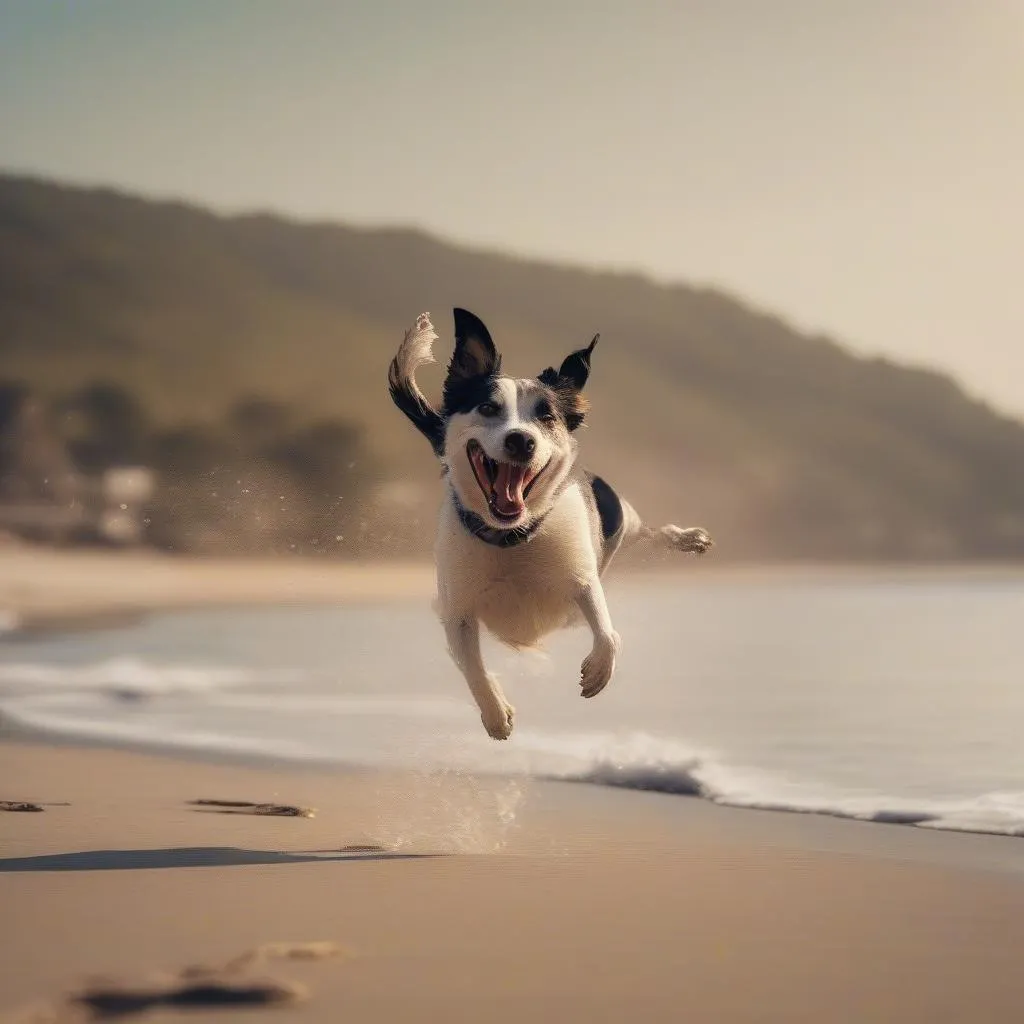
988,851
464,899
1004,848
66,591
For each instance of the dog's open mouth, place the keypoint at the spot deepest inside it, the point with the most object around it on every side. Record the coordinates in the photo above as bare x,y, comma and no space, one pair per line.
506,485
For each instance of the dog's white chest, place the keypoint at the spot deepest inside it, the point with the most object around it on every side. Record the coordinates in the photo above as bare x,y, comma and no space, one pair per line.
520,593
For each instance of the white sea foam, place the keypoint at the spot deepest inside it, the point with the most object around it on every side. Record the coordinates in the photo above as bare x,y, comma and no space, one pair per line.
130,675
657,765
120,700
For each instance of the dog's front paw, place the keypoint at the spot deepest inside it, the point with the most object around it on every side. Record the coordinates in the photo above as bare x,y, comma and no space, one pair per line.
599,665
498,721
694,539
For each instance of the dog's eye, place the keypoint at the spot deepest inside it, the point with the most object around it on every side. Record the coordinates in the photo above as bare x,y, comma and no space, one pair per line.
487,409
544,413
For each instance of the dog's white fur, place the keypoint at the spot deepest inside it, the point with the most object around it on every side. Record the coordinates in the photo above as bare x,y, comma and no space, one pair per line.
552,459
522,593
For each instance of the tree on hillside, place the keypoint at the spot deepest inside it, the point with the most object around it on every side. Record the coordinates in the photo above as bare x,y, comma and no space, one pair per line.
104,426
34,463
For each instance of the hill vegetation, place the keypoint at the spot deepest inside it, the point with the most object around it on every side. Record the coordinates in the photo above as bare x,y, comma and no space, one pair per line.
225,351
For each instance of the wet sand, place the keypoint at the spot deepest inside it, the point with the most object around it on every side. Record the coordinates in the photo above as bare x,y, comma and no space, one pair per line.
406,897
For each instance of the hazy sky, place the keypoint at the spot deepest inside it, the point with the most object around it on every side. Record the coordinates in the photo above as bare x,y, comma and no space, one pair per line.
854,165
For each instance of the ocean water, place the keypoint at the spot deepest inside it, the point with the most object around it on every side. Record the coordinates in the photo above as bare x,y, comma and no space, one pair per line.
897,700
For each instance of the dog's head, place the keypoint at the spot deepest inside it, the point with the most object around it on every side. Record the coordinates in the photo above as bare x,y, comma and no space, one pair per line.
508,443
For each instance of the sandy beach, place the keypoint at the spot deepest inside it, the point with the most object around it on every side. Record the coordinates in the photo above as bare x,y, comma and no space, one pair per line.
47,589
43,588
424,902
324,894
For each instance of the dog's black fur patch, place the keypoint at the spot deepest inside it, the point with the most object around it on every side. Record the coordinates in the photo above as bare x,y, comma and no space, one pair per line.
547,406
567,383
474,366
423,416
609,508
464,394
472,376
576,367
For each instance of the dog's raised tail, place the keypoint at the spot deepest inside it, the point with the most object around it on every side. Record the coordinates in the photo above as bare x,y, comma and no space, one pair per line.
415,350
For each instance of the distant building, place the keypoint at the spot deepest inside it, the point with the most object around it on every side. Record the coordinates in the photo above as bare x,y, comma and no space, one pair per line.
125,492
43,498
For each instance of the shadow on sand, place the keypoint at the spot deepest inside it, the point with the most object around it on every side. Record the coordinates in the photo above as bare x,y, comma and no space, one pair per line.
191,857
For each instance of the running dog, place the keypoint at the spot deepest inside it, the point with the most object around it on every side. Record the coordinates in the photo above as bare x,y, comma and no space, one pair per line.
524,535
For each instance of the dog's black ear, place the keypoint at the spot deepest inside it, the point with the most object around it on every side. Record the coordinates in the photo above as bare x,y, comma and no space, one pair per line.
568,381
575,370
475,354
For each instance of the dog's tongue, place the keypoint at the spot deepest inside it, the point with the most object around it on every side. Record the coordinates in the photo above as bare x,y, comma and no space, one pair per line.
508,489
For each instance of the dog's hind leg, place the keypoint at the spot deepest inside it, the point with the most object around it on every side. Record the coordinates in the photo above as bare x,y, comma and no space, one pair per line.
621,526
691,539
464,644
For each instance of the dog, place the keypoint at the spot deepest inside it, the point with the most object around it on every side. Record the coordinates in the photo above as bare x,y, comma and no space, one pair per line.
524,536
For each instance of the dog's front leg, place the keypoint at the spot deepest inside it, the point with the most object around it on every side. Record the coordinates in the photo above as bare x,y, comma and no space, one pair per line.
464,644
599,665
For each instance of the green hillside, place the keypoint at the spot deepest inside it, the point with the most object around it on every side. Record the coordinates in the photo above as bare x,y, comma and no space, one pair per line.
704,410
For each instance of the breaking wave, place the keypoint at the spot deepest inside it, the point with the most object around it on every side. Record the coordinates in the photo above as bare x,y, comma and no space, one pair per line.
124,699
129,677
659,766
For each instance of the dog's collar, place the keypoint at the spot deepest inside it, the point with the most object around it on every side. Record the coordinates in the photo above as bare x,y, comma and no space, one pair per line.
475,525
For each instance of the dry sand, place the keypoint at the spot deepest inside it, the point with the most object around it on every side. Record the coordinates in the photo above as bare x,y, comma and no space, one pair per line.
458,899
41,588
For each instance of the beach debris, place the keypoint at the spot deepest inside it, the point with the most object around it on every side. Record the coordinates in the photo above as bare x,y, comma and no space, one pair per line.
250,807
269,951
19,805
299,950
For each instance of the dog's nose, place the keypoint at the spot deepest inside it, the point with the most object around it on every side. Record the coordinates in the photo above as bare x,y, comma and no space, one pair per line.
519,445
